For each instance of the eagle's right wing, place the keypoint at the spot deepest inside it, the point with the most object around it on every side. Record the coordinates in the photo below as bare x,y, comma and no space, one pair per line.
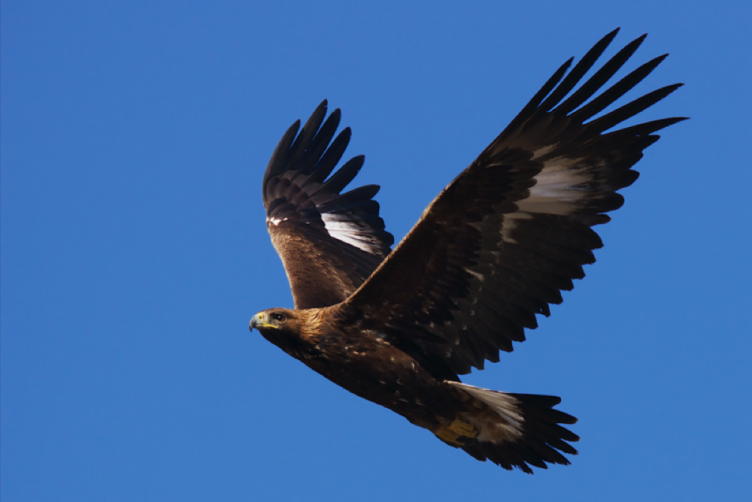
513,230
329,242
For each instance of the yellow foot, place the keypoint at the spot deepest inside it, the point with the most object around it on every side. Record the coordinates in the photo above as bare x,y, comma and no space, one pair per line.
458,433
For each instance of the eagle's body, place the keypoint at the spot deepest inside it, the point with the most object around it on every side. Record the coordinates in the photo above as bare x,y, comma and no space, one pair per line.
492,251
363,362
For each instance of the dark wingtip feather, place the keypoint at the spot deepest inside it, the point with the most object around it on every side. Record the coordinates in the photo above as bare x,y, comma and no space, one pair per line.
606,40
344,174
651,127
279,156
330,158
531,106
631,109
322,107
603,75
307,133
582,67
319,144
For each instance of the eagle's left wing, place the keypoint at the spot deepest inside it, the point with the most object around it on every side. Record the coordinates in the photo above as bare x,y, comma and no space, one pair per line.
513,230
329,242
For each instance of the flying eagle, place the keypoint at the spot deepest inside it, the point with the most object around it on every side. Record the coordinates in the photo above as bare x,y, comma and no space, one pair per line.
495,248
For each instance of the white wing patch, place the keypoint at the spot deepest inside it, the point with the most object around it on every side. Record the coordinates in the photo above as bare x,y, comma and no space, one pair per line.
555,189
349,232
275,221
559,189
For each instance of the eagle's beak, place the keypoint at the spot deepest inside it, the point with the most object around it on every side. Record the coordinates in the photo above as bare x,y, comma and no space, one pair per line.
260,321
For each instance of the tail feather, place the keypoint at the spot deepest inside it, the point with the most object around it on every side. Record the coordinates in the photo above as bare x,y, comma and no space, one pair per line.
517,430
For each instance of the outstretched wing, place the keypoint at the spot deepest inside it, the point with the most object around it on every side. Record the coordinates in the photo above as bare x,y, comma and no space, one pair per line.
329,242
502,241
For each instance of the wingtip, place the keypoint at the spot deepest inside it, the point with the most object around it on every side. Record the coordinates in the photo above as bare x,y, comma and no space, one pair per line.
611,34
322,106
674,87
560,72
608,38
636,43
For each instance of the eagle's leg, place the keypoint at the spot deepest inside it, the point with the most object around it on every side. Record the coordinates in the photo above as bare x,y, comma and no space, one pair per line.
457,434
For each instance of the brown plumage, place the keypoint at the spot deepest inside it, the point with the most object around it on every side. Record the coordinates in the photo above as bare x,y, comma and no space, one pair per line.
493,250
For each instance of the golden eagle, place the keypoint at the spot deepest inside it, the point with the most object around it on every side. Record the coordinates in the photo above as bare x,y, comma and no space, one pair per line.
495,248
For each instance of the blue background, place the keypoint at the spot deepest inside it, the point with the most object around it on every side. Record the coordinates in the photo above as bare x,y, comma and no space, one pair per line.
134,249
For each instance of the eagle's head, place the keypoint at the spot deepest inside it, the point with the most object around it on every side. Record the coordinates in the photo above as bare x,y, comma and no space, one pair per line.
280,326
272,319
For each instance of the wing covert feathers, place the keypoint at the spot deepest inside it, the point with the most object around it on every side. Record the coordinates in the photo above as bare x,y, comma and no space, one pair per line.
501,242
329,242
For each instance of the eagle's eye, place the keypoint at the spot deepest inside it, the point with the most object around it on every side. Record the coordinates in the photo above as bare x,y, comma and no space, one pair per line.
279,317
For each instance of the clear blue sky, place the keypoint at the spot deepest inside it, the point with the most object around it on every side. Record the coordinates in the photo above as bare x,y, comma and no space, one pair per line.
134,249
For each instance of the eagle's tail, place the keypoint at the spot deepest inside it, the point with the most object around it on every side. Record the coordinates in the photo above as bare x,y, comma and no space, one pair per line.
513,430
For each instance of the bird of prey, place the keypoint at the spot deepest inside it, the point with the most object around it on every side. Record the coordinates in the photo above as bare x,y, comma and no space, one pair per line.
494,249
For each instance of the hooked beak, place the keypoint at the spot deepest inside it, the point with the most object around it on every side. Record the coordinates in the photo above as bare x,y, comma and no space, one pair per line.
260,321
